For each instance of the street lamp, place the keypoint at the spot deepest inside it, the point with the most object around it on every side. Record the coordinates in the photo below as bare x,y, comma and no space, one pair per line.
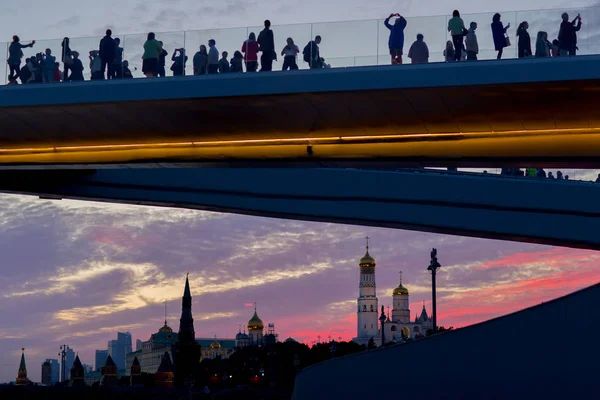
63,355
434,265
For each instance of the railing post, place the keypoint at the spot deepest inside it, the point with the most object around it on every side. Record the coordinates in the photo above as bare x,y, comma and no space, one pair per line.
377,28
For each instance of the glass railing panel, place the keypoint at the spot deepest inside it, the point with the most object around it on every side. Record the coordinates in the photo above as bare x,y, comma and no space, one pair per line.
366,61
229,40
133,49
133,46
347,39
341,62
4,66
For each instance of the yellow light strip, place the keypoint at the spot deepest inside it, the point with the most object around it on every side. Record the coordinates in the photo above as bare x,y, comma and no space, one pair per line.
306,140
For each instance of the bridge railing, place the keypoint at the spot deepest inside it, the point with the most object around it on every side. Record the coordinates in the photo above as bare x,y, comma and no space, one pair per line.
345,44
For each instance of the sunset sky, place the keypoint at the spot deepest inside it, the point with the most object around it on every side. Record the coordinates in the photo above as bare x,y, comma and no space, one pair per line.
77,273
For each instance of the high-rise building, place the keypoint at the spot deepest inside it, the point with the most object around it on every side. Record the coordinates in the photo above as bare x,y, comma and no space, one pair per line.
47,373
101,356
138,345
125,339
50,372
69,360
118,349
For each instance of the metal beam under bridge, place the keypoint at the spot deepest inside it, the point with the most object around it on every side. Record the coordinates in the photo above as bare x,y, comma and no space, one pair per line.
527,210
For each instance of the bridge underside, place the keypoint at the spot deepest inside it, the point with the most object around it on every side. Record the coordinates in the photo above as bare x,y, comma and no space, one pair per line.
544,212
529,124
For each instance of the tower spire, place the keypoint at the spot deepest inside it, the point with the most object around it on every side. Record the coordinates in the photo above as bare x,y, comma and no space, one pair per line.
186,322
22,373
187,350
367,239
165,312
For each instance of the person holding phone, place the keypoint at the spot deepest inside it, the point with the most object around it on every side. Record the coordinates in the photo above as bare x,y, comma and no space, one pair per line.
567,35
396,40
289,53
499,34
15,55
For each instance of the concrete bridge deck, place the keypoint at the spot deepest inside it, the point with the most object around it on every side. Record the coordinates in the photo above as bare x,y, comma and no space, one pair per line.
536,111
562,213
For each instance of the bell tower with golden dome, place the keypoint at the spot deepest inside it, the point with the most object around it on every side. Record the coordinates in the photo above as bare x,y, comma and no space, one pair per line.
368,323
255,329
400,310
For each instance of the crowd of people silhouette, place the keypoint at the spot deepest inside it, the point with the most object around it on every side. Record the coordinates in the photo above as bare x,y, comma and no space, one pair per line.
107,61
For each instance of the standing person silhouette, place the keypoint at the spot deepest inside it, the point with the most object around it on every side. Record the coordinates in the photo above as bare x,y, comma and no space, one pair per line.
250,50
524,42
499,34
107,54
67,58
396,41
266,44
152,51
456,27
567,35
15,54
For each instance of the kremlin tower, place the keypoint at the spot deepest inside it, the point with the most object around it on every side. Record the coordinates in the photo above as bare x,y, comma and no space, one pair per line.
77,374
164,375
187,352
22,374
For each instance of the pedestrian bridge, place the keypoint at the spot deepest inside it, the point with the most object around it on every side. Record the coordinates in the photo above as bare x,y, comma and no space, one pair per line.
564,213
529,112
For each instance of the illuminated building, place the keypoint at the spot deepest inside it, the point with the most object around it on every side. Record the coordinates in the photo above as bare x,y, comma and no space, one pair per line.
152,350
255,329
214,348
399,326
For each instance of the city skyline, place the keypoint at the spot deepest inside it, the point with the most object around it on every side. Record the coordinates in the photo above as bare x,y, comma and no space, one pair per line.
78,273
118,264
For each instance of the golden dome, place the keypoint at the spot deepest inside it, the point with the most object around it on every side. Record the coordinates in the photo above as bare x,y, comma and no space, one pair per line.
367,259
255,322
400,290
165,328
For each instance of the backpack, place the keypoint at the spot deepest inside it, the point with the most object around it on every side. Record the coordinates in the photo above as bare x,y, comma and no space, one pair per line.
306,52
